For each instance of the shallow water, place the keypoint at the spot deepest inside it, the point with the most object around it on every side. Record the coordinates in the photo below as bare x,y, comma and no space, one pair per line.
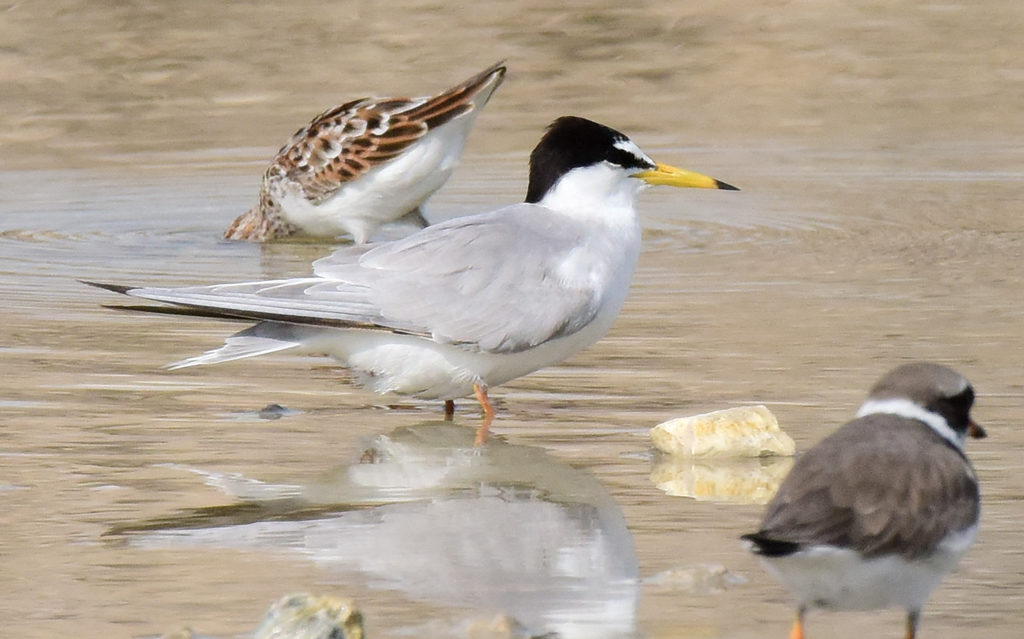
879,152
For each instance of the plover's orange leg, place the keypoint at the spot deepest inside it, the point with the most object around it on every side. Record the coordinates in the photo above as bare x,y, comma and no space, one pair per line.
912,617
485,403
797,631
449,410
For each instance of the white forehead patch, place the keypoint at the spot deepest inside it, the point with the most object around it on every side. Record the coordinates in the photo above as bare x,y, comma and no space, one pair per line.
630,147
952,386
963,386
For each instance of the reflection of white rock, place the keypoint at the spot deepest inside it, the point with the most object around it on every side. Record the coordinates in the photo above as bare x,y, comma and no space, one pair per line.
747,481
303,616
501,528
746,431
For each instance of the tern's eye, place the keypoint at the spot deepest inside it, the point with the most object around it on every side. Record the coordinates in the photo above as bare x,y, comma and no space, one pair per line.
627,160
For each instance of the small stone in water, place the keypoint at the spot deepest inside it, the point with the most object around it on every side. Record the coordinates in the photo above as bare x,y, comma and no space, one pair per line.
305,616
273,411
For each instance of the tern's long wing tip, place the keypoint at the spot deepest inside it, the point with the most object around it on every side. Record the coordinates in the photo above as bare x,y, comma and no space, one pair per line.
117,288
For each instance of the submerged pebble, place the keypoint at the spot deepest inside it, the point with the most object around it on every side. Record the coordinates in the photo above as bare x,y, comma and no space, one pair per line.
274,411
700,579
305,616
498,626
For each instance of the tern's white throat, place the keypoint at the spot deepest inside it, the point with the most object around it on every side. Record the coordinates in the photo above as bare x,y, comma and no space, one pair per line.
599,193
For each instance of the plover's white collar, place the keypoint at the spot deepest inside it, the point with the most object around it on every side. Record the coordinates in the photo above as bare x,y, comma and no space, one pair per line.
906,408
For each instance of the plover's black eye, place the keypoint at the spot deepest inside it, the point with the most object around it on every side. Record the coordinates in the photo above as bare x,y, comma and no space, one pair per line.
963,400
956,409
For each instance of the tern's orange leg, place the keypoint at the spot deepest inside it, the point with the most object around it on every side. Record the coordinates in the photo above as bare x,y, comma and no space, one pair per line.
797,631
449,410
485,403
912,617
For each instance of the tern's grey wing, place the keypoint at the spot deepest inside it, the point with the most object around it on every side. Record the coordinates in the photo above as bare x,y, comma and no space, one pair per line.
309,300
504,281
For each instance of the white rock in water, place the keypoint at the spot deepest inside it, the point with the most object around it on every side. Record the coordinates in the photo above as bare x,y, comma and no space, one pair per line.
746,431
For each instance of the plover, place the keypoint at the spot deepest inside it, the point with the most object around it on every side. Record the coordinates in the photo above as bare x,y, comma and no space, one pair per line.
881,510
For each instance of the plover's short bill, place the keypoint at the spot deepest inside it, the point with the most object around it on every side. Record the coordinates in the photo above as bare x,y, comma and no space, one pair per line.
472,302
364,163
881,510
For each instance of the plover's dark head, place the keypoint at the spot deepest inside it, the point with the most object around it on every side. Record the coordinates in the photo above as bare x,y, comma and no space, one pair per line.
932,388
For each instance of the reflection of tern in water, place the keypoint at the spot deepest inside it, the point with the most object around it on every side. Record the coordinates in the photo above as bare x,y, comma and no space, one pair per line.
504,528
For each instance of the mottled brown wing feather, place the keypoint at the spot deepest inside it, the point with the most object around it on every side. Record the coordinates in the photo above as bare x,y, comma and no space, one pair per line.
456,100
349,140
875,488
441,109
340,145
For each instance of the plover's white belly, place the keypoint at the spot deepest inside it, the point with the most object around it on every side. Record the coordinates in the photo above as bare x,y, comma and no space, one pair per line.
839,579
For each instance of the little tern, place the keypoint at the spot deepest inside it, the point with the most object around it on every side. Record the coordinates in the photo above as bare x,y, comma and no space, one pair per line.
470,303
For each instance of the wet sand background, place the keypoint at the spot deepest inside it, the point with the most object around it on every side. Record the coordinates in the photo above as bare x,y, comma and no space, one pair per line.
878,146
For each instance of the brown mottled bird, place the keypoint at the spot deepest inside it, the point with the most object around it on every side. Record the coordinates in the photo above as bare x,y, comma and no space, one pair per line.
364,163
